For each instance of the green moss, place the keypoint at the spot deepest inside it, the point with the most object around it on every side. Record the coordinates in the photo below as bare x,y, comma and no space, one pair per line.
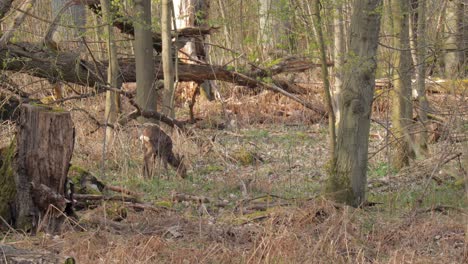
244,156
84,181
115,210
7,181
44,104
338,186
167,204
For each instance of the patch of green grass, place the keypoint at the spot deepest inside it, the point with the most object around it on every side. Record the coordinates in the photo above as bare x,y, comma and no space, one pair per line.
210,168
420,196
257,133
379,170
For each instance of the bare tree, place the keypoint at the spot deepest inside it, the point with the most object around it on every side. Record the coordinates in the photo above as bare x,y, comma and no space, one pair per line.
402,108
348,175
167,58
419,20
325,77
146,93
112,98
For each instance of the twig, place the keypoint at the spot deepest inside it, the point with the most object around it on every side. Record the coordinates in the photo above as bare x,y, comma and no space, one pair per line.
98,197
281,91
27,5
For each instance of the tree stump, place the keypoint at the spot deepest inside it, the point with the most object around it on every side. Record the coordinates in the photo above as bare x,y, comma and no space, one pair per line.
44,147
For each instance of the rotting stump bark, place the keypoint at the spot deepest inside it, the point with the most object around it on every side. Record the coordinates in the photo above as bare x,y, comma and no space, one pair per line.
44,147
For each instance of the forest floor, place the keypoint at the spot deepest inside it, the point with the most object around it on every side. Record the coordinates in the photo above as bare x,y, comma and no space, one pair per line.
253,195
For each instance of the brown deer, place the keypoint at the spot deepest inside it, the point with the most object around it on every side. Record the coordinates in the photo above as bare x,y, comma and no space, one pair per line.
158,144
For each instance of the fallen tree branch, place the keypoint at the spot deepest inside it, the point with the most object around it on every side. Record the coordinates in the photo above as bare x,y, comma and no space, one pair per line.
98,197
27,5
66,66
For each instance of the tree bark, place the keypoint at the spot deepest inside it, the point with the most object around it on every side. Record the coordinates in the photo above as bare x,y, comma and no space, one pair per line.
27,6
453,35
423,108
12,255
76,16
325,78
189,14
339,53
146,92
274,35
44,147
112,109
347,176
167,59
402,109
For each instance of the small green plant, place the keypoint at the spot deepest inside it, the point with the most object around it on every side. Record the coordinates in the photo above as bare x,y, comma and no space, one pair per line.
380,170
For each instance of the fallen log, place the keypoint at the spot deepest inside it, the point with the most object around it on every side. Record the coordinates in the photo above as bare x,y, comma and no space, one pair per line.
56,66
12,255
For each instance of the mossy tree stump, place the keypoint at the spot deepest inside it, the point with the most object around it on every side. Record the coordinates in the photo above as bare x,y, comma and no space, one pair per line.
44,147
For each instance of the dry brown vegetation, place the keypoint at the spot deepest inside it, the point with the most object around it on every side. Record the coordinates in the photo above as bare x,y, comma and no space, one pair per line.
257,162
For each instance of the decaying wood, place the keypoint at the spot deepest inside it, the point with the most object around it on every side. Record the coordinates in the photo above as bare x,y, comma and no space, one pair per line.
44,143
44,196
182,197
414,174
125,25
121,190
12,255
179,197
99,197
68,67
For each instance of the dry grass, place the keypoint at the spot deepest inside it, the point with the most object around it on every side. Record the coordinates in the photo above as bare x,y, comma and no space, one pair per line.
314,232
286,150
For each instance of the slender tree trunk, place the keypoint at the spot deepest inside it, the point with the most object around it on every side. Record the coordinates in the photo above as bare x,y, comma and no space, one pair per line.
274,36
453,57
112,98
76,16
347,180
146,93
402,110
339,53
19,18
325,78
423,108
167,58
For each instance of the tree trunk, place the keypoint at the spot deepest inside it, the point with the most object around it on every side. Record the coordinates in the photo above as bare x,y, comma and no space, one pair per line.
193,13
347,180
402,109
339,53
44,147
75,16
423,108
146,93
167,58
274,35
453,32
325,78
112,98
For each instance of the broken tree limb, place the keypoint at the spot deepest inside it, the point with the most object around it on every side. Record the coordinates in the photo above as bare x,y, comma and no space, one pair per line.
277,89
125,25
98,197
66,66
13,255
27,5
